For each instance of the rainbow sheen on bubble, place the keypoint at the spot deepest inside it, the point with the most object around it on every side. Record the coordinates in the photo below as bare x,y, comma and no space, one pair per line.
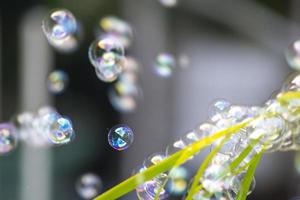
164,65
60,129
117,29
292,55
8,138
57,81
60,28
89,186
120,137
106,56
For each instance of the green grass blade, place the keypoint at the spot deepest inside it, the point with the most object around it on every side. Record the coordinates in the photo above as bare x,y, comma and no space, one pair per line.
243,192
174,160
193,190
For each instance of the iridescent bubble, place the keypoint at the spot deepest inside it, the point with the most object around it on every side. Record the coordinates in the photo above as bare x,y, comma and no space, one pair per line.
57,81
89,186
60,129
106,56
292,55
164,65
117,29
8,138
120,137
168,3
148,191
60,27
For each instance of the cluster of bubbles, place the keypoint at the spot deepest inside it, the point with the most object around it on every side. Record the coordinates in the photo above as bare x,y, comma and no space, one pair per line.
61,30
125,93
89,185
46,127
120,137
274,127
57,81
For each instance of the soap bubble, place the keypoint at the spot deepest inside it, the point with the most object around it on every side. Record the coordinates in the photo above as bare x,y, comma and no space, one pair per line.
60,28
292,55
148,191
106,56
89,186
177,183
8,138
124,104
168,3
164,64
57,81
60,129
120,137
218,109
116,29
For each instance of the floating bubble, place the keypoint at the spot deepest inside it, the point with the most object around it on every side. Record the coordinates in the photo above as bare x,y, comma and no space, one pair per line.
177,186
168,3
60,129
8,138
116,29
60,27
57,81
120,137
89,186
164,65
106,56
292,55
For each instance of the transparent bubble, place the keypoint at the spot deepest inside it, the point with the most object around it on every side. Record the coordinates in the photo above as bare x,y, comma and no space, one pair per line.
164,65
177,186
89,186
106,56
218,109
237,181
120,137
168,3
57,81
60,27
60,129
117,29
8,138
292,55
148,191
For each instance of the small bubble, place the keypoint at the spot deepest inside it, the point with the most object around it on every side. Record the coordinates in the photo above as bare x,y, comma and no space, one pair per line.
164,65
292,55
89,186
57,81
106,56
120,137
168,3
117,29
8,138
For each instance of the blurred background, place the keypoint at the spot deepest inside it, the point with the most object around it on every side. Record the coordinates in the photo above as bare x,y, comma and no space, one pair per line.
235,51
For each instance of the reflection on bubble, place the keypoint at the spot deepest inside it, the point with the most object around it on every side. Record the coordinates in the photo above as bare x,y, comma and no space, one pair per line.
8,138
60,28
168,3
57,81
178,181
89,186
116,29
292,55
164,65
148,191
106,56
60,129
120,137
